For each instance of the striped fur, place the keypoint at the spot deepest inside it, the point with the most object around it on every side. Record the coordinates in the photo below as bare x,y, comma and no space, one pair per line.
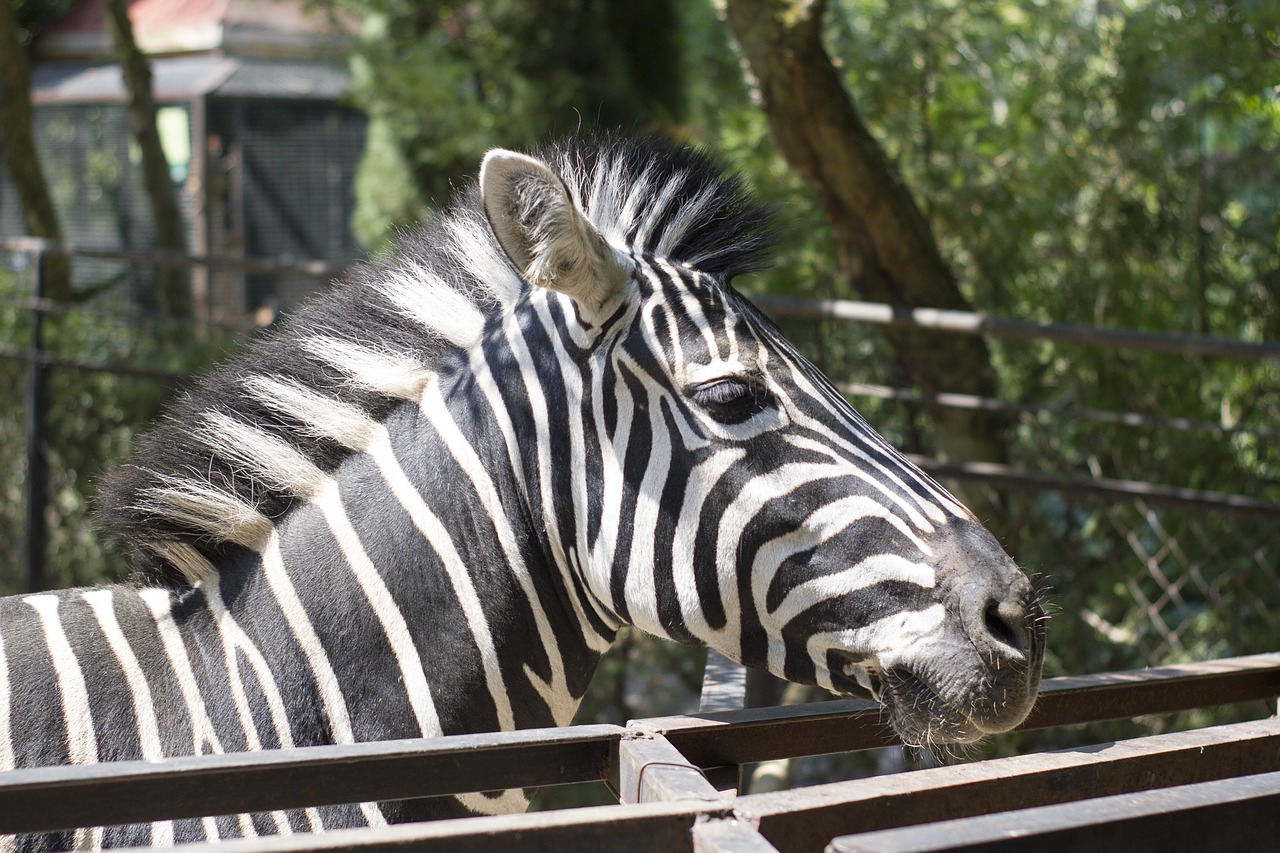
427,505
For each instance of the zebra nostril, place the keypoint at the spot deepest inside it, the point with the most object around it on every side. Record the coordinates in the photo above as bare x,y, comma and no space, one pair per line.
1003,622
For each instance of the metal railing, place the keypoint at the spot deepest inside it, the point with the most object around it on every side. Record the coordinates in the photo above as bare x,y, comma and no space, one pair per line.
660,770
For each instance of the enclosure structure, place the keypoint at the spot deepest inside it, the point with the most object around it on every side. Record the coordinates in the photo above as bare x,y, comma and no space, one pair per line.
261,147
674,778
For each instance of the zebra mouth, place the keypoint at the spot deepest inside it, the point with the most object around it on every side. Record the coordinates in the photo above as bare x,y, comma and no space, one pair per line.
919,715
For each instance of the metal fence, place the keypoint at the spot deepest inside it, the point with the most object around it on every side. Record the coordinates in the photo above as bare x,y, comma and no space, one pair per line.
674,781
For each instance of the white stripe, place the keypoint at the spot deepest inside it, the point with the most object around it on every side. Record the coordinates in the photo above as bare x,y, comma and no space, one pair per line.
867,573
511,801
738,515
473,248
280,464
235,640
203,735
207,508
82,742
554,692
542,442
7,759
702,480
821,525
572,379
323,416
100,601
854,424
332,701
384,608
612,484
639,588
391,374
678,227
846,467
331,698
895,640
437,536
422,296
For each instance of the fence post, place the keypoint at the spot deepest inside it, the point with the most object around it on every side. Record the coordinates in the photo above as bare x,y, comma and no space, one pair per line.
37,486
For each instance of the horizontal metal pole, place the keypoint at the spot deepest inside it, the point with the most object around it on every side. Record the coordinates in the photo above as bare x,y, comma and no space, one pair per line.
810,817
52,798
978,323
644,828
962,322
48,359
845,725
1158,493
283,264
807,818
1224,815
1072,700
1070,412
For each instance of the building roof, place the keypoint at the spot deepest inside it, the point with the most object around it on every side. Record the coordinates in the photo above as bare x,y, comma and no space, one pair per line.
280,28
182,78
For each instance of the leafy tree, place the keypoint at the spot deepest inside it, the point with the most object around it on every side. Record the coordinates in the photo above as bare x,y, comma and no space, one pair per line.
173,289
886,249
443,82
18,142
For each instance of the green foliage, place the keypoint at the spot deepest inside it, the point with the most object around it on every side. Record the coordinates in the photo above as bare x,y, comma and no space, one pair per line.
91,418
1111,165
442,82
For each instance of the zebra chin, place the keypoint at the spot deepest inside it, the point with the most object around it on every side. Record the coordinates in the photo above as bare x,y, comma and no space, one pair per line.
927,709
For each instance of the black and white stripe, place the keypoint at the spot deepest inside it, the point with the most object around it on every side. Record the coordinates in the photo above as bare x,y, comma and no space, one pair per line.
427,504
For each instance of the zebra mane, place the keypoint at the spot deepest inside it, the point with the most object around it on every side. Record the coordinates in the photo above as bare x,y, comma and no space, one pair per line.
265,430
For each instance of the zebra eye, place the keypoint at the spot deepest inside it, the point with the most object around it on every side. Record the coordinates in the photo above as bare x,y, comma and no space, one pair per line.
732,400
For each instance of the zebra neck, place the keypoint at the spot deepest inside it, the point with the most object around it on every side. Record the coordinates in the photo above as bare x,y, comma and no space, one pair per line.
417,599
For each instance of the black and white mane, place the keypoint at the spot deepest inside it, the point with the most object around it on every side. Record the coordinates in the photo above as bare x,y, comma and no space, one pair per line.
189,497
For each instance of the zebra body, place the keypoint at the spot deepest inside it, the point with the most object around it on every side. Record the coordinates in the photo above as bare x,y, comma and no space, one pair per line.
428,504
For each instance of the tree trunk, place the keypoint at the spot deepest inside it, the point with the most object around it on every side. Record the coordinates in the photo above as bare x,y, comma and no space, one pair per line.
887,250
20,155
173,289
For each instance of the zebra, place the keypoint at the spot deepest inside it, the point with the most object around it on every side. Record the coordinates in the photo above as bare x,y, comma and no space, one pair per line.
428,502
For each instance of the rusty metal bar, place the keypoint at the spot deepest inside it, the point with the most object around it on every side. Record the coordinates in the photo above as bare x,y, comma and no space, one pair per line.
650,770
52,798
817,728
1225,815
121,792
807,818
979,323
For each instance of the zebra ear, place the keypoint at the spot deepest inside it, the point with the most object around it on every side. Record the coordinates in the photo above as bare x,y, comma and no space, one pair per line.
543,233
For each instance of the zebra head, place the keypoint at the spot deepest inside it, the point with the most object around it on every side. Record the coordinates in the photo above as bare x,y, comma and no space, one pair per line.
711,485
